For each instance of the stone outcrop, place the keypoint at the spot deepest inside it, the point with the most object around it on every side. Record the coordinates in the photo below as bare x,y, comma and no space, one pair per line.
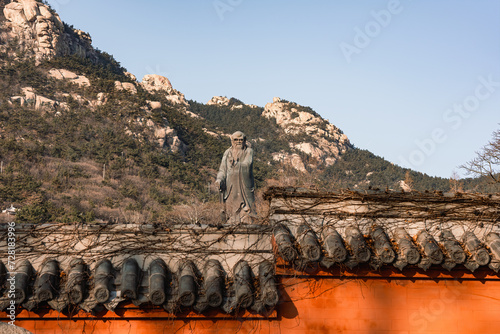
154,83
219,100
173,142
127,86
224,101
102,98
211,133
293,160
131,76
323,141
41,33
62,74
154,104
167,137
177,99
31,99
76,97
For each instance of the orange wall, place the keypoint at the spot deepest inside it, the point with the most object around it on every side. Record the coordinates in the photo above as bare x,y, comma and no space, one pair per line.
394,304
395,307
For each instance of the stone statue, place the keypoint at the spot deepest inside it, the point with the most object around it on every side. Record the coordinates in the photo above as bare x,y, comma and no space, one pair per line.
235,180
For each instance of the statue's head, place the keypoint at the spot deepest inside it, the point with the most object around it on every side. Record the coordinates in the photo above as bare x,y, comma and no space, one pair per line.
238,139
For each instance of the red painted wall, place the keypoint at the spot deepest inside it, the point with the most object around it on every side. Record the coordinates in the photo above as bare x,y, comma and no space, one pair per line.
341,302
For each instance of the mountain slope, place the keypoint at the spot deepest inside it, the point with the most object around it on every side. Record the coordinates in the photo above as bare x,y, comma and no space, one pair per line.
81,139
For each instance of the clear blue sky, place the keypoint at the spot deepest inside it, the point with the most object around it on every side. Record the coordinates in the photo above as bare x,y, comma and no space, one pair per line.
416,82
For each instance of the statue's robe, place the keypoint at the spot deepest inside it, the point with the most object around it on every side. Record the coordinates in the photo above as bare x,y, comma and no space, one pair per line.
236,172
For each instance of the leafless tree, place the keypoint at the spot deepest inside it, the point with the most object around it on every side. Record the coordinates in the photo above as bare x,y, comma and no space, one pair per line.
455,184
487,161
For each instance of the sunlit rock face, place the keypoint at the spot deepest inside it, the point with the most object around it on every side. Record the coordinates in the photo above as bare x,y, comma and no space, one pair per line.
39,32
322,140
219,100
154,83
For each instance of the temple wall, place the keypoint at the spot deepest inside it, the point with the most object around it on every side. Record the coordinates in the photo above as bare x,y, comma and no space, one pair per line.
389,303
450,284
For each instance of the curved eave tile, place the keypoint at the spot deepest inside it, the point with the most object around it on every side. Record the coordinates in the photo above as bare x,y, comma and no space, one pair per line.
380,248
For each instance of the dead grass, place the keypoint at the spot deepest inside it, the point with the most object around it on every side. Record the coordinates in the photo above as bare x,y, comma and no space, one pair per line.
78,189
196,213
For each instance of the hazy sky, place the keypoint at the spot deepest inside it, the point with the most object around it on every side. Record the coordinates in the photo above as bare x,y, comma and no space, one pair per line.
416,82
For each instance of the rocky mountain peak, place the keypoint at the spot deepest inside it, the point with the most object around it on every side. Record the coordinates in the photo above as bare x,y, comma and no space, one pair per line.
325,142
154,83
41,33
292,116
230,102
219,100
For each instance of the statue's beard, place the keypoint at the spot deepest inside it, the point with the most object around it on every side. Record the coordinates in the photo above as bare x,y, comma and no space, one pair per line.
237,149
